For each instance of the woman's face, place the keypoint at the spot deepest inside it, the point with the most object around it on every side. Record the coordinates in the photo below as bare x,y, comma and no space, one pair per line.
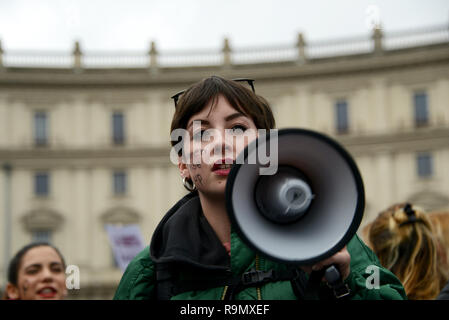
41,276
225,133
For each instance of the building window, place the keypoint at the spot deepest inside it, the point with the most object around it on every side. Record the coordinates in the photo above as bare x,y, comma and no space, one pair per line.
41,184
421,109
341,116
424,165
41,236
118,128
40,128
119,183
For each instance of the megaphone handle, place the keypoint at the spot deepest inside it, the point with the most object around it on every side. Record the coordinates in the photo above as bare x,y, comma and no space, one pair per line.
332,274
335,281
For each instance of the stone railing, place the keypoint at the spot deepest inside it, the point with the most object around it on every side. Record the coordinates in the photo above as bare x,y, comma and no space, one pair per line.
300,52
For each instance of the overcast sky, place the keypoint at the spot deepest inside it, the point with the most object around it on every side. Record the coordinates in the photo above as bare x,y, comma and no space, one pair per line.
201,24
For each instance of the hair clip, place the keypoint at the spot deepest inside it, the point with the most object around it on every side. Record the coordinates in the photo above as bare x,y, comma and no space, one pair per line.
411,215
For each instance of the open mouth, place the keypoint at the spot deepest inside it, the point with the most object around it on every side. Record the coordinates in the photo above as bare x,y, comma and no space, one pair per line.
47,292
222,167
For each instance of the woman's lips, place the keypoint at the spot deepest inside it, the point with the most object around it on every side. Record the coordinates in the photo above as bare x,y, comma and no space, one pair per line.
222,167
47,293
222,172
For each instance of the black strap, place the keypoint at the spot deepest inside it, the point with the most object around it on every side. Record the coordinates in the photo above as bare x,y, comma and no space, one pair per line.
169,285
312,291
255,278
335,289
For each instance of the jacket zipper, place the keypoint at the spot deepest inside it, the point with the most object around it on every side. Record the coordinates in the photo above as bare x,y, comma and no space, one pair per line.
259,293
258,290
224,292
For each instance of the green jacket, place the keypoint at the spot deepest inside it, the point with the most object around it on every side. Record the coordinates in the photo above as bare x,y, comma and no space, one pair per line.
185,239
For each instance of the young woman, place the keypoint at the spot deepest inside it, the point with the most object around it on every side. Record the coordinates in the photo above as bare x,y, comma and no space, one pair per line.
37,272
195,253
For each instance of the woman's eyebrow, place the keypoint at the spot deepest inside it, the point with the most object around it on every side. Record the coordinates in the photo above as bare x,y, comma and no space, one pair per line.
202,121
227,119
34,265
56,264
234,116
38,265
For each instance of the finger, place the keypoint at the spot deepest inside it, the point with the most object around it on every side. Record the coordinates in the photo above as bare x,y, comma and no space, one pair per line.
306,269
341,259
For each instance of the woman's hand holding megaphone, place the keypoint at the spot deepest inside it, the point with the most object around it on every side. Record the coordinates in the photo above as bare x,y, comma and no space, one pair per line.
341,259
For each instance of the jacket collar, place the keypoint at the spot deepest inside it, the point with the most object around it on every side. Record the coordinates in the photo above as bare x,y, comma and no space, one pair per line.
185,236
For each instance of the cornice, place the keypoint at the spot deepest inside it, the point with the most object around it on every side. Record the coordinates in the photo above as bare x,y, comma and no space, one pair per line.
425,139
87,158
170,77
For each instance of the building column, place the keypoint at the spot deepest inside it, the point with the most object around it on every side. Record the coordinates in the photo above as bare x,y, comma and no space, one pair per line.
379,105
385,179
79,191
7,170
304,106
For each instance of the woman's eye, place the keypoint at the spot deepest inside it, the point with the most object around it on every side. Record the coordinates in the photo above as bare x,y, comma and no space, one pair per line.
205,133
198,135
32,271
201,135
238,129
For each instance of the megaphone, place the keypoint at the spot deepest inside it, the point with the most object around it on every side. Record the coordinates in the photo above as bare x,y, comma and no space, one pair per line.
305,212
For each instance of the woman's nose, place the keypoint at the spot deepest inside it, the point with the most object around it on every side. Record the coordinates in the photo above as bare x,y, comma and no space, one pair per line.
47,274
220,145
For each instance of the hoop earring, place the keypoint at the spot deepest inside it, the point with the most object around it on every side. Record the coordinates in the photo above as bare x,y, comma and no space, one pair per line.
189,185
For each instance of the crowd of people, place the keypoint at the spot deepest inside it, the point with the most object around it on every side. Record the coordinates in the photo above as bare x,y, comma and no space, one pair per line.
196,254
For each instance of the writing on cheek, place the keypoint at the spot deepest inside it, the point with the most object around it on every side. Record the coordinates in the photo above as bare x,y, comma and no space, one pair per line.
25,287
198,180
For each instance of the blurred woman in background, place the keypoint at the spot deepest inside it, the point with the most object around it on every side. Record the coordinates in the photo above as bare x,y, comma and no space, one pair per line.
405,242
36,272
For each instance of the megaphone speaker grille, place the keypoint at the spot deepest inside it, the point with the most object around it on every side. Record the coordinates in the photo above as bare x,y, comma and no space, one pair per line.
283,197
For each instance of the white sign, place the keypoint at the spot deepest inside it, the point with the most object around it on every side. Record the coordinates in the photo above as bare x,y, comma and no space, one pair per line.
126,242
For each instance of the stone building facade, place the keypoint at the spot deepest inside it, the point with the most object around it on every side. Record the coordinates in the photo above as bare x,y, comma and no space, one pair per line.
84,146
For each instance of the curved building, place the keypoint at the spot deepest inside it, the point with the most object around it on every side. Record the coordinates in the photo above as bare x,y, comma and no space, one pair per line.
84,138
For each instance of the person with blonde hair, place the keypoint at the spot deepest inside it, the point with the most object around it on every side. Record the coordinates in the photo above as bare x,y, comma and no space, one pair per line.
403,238
440,223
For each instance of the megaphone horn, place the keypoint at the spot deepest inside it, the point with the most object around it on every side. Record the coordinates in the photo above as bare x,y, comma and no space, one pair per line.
305,212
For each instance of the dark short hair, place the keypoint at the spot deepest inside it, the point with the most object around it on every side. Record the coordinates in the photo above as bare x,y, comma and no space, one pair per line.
241,98
16,261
